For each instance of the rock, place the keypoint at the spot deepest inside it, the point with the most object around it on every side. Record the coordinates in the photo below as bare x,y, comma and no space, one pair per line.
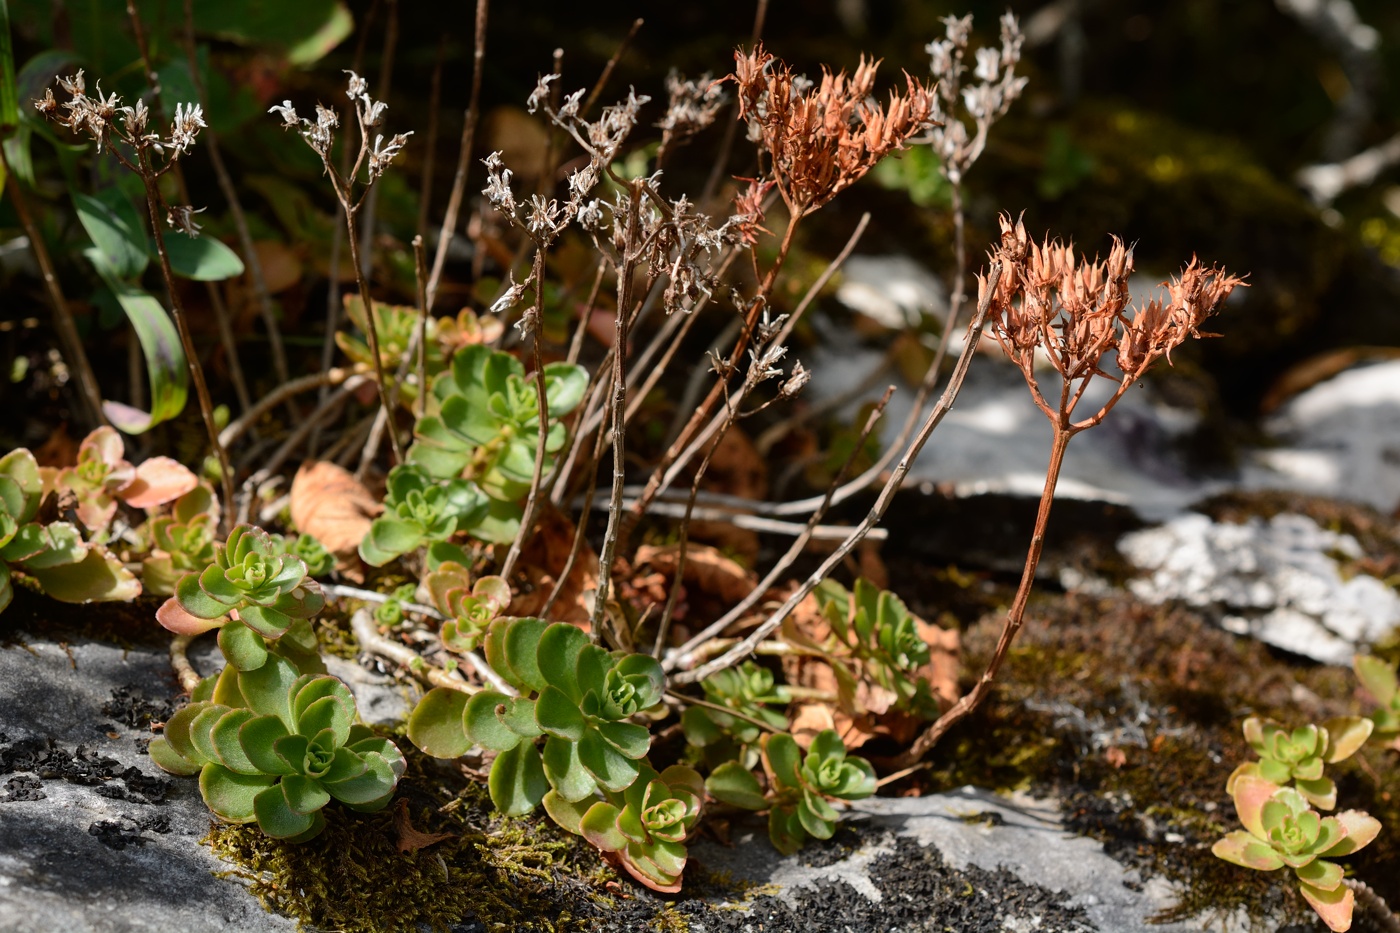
893,291
1274,580
1340,438
94,838
1011,849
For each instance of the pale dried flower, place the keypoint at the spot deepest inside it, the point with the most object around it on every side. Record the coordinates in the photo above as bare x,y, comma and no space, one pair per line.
356,86
382,154
497,189
189,120
181,217
288,114
984,103
539,97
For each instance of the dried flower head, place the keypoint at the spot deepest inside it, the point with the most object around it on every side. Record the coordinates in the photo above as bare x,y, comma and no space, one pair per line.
957,145
1076,311
693,105
382,154
824,139
181,217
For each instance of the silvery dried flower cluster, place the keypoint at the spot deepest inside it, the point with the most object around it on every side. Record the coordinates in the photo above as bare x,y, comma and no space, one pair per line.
369,113
181,217
984,102
96,118
693,106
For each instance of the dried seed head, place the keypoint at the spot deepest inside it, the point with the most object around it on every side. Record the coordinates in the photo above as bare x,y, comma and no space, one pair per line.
382,154
183,129
288,114
356,86
181,217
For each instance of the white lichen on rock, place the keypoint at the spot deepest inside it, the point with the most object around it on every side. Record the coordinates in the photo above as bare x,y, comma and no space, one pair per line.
1277,580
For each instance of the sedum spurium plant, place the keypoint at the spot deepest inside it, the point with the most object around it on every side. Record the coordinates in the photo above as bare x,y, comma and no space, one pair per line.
280,746
484,425
180,541
577,696
1299,755
644,828
468,608
250,591
717,736
1380,679
1280,829
800,787
421,512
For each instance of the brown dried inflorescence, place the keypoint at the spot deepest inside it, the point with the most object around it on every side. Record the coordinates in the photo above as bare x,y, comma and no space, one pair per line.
1075,311
824,138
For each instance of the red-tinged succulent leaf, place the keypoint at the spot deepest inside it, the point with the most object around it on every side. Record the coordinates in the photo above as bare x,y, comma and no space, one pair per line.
177,731
1321,793
1361,828
1250,794
98,576
277,817
494,591
269,623
1242,849
1326,876
600,827
196,602
684,778
229,795
1345,735
157,481
436,724
567,813
1334,907
629,823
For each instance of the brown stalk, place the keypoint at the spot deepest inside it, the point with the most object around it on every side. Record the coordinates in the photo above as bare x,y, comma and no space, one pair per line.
464,155
537,333
744,648
1074,312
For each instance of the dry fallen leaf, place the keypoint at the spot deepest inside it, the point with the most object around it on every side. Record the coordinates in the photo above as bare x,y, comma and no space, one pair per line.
706,570
158,480
410,839
543,560
332,506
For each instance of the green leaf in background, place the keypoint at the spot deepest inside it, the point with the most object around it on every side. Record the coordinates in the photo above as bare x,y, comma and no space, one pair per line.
305,31
9,94
116,230
165,359
203,259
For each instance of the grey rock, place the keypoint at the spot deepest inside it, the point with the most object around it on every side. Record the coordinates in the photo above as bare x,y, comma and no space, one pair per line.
60,865
1276,581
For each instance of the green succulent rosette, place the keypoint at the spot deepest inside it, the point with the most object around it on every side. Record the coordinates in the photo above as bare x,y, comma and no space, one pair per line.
420,511
469,607
643,829
1281,830
1380,679
283,748
800,787
749,691
1299,755
575,695
181,542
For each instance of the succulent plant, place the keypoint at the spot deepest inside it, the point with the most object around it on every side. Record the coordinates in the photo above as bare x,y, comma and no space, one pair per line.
486,427
748,690
394,325
420,511
102,476
469,607
1280,829
53,554
643,829
576,695
248,578
181,542
1299,755
800,787
278,755
875,628
1380,679
312,552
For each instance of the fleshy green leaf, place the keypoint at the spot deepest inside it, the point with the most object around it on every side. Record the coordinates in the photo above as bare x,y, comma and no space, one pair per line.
558,715
558,656
735,785
225,736
612,770
276,816
244,648
522,643
484,725
229,795
259,737
783,758
517,780
436,724
566,773
599,827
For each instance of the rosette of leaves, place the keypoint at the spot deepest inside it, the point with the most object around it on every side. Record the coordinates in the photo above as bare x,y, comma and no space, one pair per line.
181,542
876,629
53,554
420,511
469,607
1280,829
574,694
1380,679
312,552
747,690
103,476
644,828
1299,755
395,325
249,578
800,787
280,755
486,427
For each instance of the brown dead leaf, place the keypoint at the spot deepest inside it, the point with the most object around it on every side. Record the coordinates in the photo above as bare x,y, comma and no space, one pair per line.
59,450
543,560
331,505
706,570
810,719
410,839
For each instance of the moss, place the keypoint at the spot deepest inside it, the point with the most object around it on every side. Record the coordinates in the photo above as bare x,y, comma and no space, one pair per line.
1131,716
